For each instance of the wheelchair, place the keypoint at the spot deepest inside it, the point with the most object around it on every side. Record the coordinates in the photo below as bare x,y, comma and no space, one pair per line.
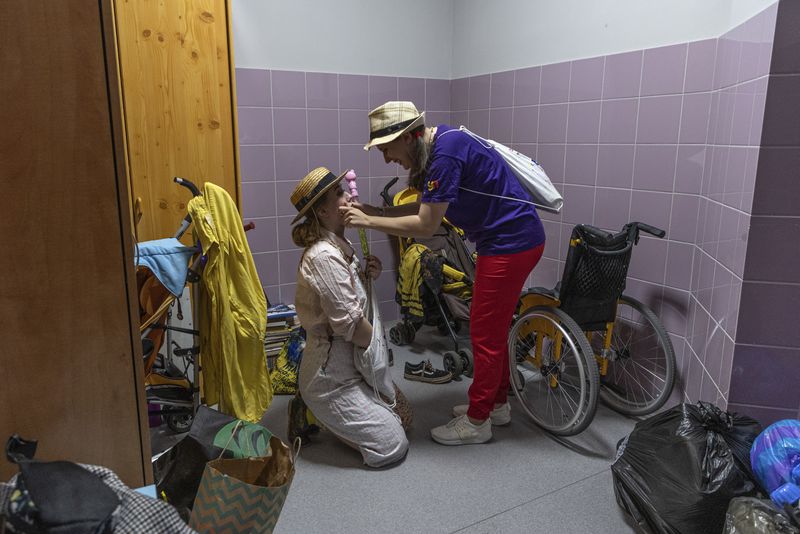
585,339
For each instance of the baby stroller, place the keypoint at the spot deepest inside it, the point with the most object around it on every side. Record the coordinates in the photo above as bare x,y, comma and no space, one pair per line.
163,268
434,286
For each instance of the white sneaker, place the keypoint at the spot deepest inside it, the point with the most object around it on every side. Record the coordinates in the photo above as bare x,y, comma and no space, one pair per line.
500,416
460,431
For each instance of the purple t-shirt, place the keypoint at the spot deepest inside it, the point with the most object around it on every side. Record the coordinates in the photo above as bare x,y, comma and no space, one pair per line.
497,226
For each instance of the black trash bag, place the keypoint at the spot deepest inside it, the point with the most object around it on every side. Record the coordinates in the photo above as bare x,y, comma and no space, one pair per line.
179,469
679,469
748,515
793,513
56,497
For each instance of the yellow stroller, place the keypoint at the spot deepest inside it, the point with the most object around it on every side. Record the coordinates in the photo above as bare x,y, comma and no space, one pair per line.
434,285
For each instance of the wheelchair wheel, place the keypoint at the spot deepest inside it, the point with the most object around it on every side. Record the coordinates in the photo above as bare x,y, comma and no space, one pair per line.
553,371
520,383
641,361
453,363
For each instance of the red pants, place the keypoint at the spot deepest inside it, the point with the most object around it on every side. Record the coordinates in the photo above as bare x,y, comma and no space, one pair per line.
498,284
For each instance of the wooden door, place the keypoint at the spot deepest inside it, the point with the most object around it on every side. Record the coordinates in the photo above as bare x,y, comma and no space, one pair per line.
178,91
70,359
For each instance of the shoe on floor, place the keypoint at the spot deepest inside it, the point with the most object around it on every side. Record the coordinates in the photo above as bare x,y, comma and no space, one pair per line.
425,372
500,416
460,431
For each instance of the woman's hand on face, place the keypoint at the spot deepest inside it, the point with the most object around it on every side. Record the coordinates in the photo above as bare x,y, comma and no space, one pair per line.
354,217
366,208
374,267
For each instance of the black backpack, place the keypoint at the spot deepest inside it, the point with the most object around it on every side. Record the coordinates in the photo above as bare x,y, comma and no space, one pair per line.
55,497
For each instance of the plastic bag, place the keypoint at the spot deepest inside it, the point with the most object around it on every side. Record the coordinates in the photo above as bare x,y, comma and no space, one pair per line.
284,376
680,468
775,458
373,363
747,515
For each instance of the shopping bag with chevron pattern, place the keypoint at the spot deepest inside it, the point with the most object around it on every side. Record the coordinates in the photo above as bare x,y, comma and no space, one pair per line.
239,495
179,469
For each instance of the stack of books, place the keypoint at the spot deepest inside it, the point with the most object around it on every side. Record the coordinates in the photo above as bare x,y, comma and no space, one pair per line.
281,322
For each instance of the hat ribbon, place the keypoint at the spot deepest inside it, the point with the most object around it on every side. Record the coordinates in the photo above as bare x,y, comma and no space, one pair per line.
390,129
325,182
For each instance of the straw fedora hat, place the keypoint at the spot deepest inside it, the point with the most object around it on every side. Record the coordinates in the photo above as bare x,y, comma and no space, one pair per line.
312,188
391,120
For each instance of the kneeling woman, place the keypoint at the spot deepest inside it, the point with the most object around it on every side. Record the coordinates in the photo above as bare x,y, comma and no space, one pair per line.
330,301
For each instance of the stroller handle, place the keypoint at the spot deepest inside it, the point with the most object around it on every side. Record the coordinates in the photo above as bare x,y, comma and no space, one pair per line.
187,220
385,193
195,193
597,232
187,184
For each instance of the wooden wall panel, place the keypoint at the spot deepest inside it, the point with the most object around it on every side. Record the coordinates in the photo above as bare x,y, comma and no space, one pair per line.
176,71
68,356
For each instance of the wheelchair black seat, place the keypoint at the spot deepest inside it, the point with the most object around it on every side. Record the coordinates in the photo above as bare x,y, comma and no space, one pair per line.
594,276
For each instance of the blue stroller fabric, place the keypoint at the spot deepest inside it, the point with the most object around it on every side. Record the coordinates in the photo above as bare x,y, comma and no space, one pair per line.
168,259
775,456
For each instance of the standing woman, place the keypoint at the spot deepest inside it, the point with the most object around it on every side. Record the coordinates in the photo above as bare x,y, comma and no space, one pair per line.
472,186
331,303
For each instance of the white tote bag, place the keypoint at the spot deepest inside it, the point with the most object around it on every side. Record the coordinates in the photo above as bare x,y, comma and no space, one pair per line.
373,362
530,175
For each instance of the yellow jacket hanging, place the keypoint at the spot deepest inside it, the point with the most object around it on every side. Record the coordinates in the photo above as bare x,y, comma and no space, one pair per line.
233,310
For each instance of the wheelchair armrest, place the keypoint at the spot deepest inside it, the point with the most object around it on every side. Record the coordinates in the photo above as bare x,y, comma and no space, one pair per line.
543,291
552,293
538,296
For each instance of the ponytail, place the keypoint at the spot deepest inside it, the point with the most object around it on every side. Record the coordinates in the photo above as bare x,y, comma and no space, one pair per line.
307,232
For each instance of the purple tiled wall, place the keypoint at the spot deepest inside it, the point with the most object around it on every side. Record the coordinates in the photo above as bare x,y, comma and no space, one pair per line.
291,122
766,361
701,139
668,136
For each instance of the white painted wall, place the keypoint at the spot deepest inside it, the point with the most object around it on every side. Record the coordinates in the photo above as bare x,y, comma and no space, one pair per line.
456,38
492,36
380,37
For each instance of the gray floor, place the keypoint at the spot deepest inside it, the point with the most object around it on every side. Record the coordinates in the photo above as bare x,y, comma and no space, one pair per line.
521,481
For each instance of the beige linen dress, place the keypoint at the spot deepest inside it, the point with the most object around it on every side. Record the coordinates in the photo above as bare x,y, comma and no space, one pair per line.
330,301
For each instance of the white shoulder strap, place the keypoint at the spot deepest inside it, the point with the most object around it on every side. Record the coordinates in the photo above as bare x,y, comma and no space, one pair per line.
475,136
498,196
